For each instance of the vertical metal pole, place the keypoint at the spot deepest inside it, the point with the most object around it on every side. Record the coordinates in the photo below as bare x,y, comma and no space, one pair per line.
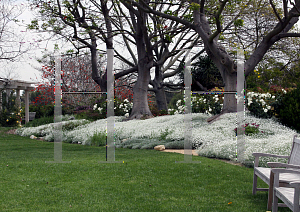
240,151
110,143
188,152
57,127
110,107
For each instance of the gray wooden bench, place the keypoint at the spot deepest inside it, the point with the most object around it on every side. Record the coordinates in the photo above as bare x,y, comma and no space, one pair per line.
268,177
31,116
289,195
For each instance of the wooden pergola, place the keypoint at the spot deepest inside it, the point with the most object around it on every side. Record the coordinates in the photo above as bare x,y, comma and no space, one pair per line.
17,85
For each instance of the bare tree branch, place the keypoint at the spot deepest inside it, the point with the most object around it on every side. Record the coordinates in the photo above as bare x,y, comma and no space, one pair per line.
275,11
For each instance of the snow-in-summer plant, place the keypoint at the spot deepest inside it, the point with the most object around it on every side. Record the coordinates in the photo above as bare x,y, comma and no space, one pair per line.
216,139
47,130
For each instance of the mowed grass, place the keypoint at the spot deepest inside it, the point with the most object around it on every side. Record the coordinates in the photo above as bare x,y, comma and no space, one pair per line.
148,180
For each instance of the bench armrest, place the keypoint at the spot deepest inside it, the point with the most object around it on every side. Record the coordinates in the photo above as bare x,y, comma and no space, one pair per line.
291,171
282,165
257,155
295,184
278,171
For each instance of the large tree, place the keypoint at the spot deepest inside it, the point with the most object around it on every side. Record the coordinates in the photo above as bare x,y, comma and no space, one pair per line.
89,23
166,40
212,19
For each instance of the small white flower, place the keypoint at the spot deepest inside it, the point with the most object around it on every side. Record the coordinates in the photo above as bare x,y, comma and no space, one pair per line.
100,109
265,110
269,107
121,105
126,100
95,107
249,103
209,109
263,95
126,115
273,97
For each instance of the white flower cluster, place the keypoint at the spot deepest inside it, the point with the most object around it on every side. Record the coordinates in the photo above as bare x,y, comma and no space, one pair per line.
216,98
125,106
196,101
180,106
261,99
97,108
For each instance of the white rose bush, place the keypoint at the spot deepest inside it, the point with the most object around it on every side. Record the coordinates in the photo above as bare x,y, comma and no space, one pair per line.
121,108
209,104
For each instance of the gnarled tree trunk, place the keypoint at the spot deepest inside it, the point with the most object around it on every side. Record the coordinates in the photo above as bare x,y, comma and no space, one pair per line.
145,62
159,91
140,90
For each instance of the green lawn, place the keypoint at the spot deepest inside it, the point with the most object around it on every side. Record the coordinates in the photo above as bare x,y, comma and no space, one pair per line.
149,180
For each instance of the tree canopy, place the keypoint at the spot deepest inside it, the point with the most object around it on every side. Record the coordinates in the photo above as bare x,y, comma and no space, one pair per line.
215,21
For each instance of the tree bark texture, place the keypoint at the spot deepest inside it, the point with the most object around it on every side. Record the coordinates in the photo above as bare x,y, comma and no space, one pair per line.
145,62
158,89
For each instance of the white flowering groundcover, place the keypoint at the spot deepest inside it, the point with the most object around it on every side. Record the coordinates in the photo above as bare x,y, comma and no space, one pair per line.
217,139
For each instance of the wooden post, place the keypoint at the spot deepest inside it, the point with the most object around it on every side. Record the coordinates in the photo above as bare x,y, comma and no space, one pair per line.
0,100
7,95
18,101
26,106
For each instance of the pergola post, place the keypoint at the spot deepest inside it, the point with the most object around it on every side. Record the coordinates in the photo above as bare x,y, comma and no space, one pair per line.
7,95
8,85
0,100
26,106
18,101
